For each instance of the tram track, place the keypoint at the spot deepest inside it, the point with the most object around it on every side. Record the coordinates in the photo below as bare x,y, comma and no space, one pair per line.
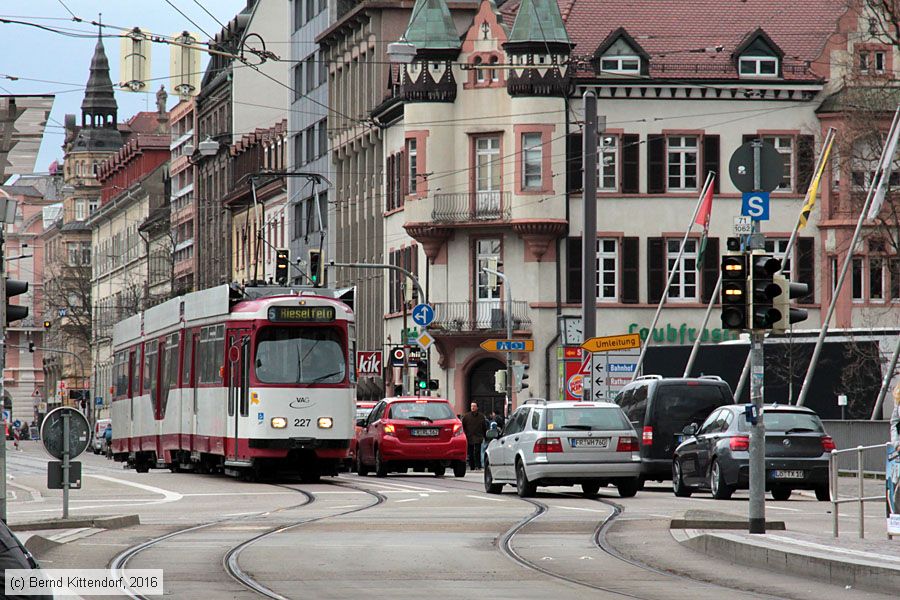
230,561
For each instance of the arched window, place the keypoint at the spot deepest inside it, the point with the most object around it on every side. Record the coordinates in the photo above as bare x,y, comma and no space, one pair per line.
494,73
479,72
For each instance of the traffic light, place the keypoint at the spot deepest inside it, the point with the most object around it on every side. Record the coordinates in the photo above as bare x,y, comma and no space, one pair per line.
31,347
520,375
789,291
500,381
48,324
316,268
282,261
15,312
434,385
734,292
764,291
421,380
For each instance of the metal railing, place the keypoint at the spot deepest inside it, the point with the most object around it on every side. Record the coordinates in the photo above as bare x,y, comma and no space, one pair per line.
861,499
850,434
463,317
471,206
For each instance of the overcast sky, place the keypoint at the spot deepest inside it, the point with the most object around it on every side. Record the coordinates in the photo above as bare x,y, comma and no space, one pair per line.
64,62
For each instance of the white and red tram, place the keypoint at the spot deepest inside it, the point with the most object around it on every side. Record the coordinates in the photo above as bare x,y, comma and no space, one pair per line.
208,382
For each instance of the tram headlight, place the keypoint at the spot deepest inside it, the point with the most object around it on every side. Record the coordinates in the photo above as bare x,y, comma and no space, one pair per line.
279,422
326,422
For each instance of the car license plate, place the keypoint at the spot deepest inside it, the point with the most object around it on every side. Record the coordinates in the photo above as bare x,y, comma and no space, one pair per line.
787,474
590,442
424,432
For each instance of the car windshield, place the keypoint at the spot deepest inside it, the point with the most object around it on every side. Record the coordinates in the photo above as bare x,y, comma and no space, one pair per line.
421,411
787,422
586,419
300,355
362,412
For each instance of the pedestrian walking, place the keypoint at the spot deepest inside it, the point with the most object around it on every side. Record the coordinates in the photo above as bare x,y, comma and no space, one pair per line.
474,426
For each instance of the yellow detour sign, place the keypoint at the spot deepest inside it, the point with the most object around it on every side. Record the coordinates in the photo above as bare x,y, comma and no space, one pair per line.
508,345
613,342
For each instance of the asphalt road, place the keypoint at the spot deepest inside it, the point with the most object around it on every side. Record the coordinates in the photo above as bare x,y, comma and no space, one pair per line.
402,537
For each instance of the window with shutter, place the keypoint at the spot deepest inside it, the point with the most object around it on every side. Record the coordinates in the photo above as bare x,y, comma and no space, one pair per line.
656,269
631,163
711,159
656,164
630,258
574,162
806,267
806,161
710,268
573,270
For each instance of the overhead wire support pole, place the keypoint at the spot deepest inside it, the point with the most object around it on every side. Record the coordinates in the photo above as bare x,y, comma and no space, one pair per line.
696,349
877,183
886,382
671,278
589,216
757,504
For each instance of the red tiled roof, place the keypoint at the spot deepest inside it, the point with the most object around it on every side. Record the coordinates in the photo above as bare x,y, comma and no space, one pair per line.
670,29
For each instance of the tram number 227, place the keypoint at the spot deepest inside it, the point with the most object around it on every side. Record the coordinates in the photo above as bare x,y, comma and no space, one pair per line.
301,422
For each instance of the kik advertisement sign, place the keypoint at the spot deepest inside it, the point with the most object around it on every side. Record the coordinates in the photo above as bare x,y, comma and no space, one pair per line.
368,363
893,490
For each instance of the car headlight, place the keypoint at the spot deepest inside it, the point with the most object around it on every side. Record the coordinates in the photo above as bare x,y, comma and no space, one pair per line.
279,422
325,422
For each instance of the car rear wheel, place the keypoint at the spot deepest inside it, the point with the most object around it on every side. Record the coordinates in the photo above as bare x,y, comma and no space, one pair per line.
781,493
628,487
361,469
589,489
459,468
489,486
720,490
439,470
380,466
678,485
823,494
524,488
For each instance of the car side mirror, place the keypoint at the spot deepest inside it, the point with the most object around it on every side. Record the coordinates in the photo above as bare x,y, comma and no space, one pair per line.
690,430
360,422
492,434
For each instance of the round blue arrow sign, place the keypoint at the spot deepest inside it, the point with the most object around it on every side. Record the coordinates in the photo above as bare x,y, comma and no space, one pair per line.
423,315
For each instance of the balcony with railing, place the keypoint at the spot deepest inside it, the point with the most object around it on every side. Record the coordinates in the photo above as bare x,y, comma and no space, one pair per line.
471,207
480,316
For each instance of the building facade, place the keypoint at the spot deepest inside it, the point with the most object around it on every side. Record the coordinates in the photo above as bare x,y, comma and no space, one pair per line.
183,217
482,161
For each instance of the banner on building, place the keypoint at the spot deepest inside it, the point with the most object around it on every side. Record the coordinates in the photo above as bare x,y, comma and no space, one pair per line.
369,363
892,482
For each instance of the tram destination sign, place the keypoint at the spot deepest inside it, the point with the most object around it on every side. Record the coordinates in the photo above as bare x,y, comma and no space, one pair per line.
301,314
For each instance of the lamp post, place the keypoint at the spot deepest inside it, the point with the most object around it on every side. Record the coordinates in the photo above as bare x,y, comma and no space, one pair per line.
509,370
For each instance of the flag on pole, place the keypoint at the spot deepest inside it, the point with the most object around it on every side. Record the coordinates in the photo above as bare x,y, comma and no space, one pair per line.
887,162
814,187
702,220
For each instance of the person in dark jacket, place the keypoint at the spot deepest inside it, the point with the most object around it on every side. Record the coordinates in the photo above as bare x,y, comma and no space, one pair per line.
474,426
14,555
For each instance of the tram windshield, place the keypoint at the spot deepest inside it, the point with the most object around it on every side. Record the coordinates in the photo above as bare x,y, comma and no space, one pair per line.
300,355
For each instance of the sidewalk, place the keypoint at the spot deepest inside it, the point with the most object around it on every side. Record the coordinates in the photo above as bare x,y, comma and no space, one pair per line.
853,563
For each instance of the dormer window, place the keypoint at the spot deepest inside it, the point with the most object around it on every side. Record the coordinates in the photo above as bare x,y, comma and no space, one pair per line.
758,66
630,65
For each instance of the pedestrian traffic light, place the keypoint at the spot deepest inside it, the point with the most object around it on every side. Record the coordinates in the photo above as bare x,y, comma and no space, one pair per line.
764,291
789,291
734,292
316,268
520,375
282,261
500,381
14,312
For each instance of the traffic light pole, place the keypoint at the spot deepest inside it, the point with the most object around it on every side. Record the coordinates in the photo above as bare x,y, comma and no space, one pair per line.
507,407
757,520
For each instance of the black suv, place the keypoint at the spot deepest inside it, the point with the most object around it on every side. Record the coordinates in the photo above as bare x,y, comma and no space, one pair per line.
660,408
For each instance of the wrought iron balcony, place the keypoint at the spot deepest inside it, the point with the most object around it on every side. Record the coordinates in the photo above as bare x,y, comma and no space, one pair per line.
484,315
471,207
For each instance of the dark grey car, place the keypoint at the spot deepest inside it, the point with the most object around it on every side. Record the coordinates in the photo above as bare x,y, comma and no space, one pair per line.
716,455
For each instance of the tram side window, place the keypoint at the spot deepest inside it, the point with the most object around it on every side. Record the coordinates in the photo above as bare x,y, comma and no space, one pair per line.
169,371
134,373
120,373
150,365
211,352
351,338
186,359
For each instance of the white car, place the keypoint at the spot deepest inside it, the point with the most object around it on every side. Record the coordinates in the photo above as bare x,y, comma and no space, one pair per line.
564,443
98,442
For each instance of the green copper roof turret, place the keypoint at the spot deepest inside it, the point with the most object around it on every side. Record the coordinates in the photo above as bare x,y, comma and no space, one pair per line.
539,21
431,27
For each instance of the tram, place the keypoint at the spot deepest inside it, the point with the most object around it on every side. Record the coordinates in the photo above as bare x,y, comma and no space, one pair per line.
239,382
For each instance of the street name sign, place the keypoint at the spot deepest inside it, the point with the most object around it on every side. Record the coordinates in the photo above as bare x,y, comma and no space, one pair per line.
508,345
612,342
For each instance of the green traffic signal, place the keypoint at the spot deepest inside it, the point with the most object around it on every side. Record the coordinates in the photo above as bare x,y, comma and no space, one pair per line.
423,385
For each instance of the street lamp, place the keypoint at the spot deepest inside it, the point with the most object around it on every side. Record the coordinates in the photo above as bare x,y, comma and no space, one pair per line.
401,51
509,373
208,147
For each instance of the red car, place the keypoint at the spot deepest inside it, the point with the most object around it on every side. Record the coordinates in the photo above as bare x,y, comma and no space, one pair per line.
411,432
362,412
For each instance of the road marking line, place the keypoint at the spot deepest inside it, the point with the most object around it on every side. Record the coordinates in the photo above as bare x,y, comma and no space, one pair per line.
486,498
783,508
168,495
238,494
407,500
577,508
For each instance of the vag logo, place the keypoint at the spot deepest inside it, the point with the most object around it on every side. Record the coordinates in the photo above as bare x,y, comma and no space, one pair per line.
302,402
